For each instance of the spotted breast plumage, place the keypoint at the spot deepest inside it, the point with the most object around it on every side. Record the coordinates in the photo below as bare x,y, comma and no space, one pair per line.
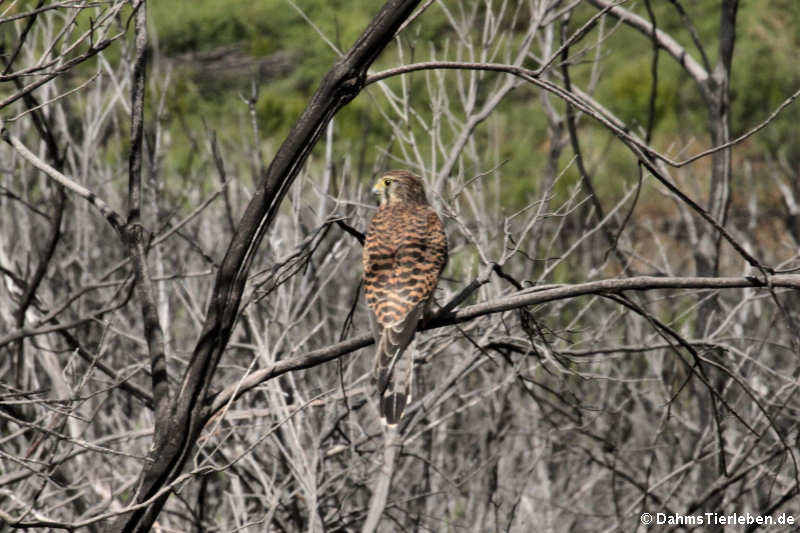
405,251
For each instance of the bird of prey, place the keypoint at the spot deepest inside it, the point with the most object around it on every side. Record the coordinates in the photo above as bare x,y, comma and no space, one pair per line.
405,250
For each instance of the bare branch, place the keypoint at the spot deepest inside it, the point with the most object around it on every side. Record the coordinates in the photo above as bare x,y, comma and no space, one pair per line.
113,218
135,233
664,40
523,298
342,83
642,152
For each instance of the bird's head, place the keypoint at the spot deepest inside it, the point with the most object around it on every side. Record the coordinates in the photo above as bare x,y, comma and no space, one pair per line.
399,186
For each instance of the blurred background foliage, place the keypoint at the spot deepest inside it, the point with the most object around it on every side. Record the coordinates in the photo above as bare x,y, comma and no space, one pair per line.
242,72
209,57
219,49
216,52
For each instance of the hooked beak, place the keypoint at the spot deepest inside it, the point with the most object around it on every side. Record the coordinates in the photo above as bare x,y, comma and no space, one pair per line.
379,188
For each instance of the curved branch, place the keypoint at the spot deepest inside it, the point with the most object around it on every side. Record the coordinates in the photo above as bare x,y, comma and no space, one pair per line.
524,298
527,74
644,153
538,295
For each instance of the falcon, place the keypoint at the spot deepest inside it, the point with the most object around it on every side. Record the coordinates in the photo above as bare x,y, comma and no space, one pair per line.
405,250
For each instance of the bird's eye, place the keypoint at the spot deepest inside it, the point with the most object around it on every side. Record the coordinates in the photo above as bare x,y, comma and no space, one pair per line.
387,182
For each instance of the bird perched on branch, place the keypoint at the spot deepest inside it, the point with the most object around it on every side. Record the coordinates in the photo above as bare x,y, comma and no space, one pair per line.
405,250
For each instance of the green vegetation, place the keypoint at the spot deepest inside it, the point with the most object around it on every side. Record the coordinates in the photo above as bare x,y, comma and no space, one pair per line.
262,30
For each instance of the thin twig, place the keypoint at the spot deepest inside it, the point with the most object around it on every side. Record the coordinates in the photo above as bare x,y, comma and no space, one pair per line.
113,218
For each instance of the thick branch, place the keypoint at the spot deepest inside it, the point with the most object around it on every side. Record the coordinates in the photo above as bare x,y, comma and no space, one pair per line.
524,298
136,236
342,83
137,115
537,295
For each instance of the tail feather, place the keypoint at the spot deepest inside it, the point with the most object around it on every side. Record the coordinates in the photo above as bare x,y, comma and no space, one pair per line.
393,406
392,371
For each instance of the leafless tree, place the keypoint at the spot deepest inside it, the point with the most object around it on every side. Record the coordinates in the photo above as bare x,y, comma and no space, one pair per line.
187,349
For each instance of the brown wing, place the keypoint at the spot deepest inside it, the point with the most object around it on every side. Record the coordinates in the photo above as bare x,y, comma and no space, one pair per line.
404,253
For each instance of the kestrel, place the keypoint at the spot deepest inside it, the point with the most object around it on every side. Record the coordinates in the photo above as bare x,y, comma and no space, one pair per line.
404,252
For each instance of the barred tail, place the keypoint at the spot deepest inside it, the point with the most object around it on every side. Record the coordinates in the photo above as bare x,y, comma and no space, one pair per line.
392,373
